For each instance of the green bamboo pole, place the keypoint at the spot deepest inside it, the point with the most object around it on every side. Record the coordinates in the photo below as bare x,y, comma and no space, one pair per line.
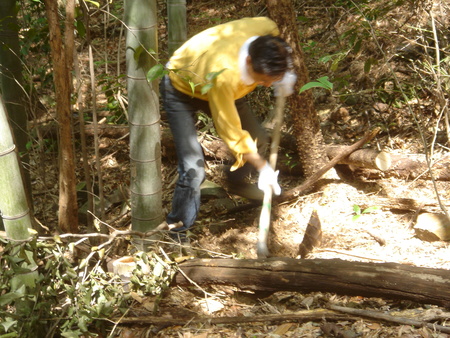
11,84
176,13
13,201
144,117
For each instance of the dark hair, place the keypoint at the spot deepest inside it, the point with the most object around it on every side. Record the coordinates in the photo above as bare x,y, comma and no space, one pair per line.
270,55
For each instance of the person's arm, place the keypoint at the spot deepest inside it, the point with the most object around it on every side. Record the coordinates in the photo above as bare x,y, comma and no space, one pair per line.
255,159
228,124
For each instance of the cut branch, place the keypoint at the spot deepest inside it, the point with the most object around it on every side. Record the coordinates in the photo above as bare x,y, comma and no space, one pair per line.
309,183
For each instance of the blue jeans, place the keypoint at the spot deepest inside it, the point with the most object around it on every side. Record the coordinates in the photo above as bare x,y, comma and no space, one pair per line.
181,110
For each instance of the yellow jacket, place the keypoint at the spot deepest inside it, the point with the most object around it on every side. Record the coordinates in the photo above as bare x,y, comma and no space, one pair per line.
213,50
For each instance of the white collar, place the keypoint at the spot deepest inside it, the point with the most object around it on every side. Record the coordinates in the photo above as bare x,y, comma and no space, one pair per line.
243,53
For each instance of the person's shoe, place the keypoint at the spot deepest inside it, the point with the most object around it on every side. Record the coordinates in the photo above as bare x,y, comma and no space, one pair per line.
183,243
243,189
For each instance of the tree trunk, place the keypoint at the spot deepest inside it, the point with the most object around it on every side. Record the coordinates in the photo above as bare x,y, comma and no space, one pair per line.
305,121
386,280
68,208
144,117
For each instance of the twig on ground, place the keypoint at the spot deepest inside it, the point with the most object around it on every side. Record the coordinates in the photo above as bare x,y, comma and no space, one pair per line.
389,318
300,317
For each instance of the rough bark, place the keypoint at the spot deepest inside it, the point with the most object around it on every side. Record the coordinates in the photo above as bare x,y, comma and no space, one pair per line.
386,280
68,209
305,121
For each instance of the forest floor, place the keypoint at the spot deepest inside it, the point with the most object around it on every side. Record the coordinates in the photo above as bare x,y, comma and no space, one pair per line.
221,233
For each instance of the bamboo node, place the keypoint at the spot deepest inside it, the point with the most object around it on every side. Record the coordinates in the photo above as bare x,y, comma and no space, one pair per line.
8,151
19,216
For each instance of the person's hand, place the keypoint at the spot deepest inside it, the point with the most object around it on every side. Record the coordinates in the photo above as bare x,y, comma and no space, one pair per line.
285,86
268,178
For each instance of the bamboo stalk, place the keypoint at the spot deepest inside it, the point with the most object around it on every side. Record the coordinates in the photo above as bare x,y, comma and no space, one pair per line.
13,201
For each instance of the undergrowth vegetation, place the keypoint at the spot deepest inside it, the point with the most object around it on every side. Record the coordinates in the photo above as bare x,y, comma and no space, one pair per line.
71,297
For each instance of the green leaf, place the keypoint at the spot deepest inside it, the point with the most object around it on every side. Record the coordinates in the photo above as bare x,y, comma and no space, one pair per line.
357,46
368,64
371,209
81,29
80,186
137,53
335,64
10,297
156,72
357,209
356,217
95,3
72,334
211,76
302,19
192,84
310,85
7,324
325,59
320,83
206,88
10,335
82,323
324,80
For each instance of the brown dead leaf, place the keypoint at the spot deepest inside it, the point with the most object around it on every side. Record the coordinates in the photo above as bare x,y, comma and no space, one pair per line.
374,326
282,329
201,335
136,297
330,329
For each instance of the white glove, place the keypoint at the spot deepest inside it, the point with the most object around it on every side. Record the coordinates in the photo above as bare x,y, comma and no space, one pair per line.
285,86
268,178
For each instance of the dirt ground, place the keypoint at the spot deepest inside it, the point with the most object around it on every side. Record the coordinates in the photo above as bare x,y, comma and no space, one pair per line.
384,235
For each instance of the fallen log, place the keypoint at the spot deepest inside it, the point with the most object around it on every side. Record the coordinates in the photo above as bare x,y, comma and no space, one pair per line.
411,167
385,280
364,158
